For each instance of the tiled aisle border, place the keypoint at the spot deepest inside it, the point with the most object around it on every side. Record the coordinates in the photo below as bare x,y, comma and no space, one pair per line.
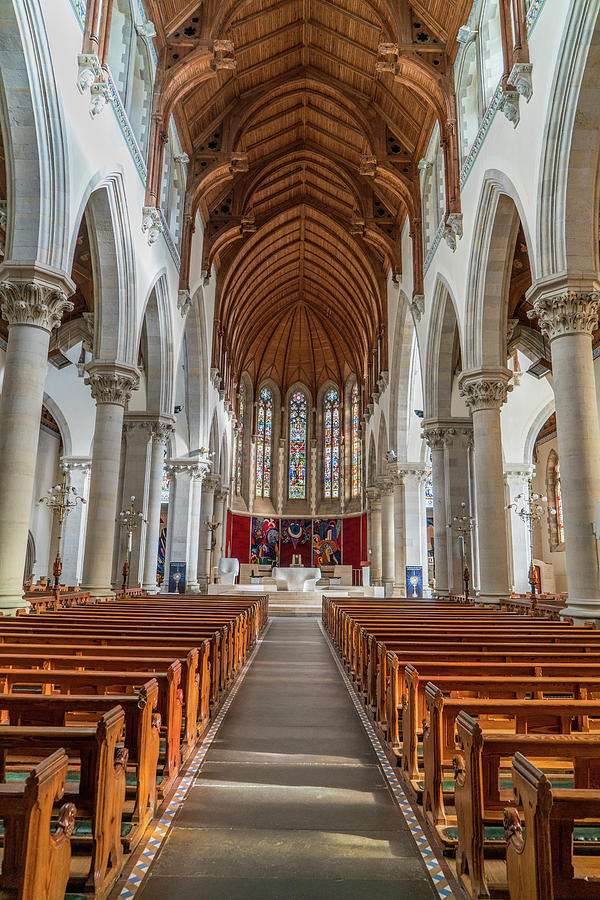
146,857
431,861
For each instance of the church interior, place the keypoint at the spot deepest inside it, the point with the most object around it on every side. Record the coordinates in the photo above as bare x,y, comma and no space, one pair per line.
300,449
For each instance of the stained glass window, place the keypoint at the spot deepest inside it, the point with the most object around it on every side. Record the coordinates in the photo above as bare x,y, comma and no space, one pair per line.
429,490
240,443
560,521
264,443
165,484
331,445
298,415
356,447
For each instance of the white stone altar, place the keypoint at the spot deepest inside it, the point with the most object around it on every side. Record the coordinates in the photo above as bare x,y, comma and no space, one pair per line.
296,578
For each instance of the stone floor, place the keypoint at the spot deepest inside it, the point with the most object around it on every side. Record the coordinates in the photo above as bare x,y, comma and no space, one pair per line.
290,802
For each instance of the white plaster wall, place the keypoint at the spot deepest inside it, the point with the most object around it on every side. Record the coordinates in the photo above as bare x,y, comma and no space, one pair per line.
42,519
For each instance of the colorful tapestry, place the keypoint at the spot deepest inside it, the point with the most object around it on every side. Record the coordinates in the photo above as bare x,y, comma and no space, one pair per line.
162,546
264,542
295,540
327,549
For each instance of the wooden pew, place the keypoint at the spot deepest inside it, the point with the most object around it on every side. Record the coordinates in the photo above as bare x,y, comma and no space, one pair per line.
518,717
480,801
35,863
142,736
101,791
541,866
170,698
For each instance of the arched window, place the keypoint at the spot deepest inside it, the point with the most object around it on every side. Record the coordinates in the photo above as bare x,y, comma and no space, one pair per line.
298,416
492,60
467,95
239,461
331,445
264,443
166,482
356,447
556,520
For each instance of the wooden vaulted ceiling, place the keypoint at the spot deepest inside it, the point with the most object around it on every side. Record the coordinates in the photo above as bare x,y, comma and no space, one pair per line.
304,121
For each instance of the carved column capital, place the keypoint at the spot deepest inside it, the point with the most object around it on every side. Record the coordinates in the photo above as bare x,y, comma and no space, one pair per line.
211,483
484,388
32,302
373,497
161,431
566,312
112,382
386,486
435,434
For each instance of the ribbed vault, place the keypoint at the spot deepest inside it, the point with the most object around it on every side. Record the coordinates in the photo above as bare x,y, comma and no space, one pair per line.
304,121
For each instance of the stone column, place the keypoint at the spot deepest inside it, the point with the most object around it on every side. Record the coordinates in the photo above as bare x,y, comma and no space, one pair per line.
207,508
184,474
136,473
484,391
458,444
517,482
568,318
75,523
161,430
220,508
111,385
415,518
192,584
399,533
33,303
388,561
375,535
435,434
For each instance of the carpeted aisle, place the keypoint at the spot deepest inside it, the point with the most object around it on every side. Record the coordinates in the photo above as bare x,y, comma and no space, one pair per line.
290,802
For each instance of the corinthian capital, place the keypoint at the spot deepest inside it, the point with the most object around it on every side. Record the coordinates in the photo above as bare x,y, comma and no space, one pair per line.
112,382
33,303
162,431
484,388
567,312
211,482
434,434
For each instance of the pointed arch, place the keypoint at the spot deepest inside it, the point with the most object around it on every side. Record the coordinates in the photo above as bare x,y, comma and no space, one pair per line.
156,332
442,351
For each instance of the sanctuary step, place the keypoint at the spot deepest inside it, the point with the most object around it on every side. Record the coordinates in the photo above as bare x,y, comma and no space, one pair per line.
294,603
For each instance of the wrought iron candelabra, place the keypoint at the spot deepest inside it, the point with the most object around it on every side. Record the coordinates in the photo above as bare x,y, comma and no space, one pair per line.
129,520
529,508
463,526
61,499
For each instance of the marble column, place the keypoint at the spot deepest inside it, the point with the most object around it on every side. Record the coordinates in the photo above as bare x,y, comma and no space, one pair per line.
33,302
388,561
569,318
111,384
435,435
137,431
458,444
161,430
517,480
484,391
207,508
73,541
221,497
375,535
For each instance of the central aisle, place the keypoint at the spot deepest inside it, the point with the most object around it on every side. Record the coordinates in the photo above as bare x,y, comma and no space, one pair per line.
290,802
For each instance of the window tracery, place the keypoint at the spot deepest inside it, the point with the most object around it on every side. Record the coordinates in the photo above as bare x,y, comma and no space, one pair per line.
356,444
331,445
264,443
297,446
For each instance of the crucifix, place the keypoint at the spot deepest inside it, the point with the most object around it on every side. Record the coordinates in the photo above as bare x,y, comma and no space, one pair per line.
212,527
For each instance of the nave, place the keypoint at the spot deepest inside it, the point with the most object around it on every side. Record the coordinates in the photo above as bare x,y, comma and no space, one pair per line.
290,801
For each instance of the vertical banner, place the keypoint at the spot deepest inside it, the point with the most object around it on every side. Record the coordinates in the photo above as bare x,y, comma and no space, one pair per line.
414,581
296,541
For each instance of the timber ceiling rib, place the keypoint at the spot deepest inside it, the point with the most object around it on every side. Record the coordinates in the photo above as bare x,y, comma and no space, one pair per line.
304,121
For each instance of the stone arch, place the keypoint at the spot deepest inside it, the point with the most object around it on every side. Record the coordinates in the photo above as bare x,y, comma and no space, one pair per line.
499,214
382,445
157,337
65,432
194,358
567,225
224,457
34,141
404,335
214,444
444,341
542,416
109,230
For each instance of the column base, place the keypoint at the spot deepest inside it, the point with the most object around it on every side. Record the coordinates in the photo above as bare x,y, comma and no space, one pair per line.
582,611
192,588
10,604
99,592
150,588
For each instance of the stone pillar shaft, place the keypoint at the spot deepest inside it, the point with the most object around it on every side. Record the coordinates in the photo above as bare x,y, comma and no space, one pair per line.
75,523
517,482
375,535
207,508
161,430
485,391
569,318
435,435
458,441
32,309
388,559
111,385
